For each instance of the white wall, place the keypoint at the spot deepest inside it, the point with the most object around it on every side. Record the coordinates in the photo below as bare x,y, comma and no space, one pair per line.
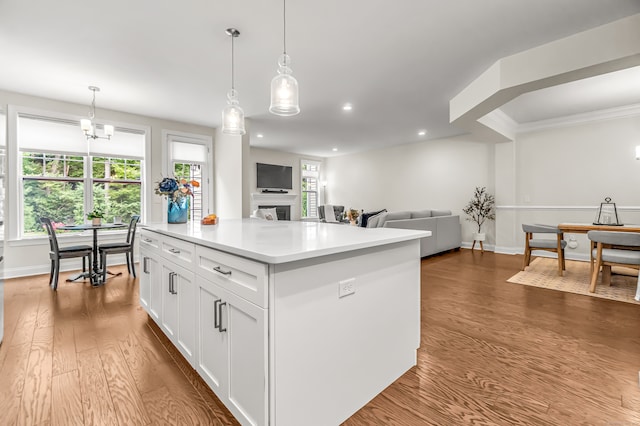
268,156
30,257
230,183
435,174
563,174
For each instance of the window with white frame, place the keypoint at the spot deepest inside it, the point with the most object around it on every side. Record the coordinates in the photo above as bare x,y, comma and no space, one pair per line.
310,173
189,160
64,176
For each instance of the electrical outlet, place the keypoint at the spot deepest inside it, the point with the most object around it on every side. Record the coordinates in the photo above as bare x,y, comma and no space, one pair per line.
346,287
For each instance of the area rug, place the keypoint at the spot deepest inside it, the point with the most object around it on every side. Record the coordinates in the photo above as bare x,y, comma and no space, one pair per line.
543,272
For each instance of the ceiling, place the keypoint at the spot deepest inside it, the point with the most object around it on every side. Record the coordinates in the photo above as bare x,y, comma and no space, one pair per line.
398,62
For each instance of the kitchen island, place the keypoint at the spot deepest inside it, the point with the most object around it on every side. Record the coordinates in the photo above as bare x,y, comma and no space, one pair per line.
289,323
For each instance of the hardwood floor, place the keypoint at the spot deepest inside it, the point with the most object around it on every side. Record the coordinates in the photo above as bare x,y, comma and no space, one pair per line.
492,353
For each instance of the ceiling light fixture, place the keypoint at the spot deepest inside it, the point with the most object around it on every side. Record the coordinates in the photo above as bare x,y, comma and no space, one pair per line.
284,87
422,132
334,149
232,114
347,107
88,127
260,135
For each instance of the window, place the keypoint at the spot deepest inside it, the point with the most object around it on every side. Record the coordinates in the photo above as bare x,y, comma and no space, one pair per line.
189,159
310,173
64,176
191,172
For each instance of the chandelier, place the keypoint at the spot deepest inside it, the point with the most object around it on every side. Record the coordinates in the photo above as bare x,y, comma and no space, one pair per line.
88,127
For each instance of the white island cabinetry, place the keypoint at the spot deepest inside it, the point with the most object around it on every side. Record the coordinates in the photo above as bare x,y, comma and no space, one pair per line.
168,289
233,331
294,322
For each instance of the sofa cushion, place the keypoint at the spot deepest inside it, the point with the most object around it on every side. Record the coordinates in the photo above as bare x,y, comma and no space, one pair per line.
420,214
435,213
398,215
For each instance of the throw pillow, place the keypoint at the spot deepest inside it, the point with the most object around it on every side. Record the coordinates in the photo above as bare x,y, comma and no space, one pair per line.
364,218
374,221
329,214
267,214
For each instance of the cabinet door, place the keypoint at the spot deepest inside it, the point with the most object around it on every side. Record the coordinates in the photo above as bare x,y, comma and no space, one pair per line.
232,356
169,318
150,282
144,281
185,287
247,354
212,343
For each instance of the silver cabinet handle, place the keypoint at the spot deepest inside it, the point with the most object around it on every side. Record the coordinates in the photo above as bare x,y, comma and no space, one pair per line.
174,251
220,271
146,240
217,315
145,266
172,283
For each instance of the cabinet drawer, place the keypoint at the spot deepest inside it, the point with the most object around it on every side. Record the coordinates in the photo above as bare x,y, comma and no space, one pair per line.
178,251
150,240
243,277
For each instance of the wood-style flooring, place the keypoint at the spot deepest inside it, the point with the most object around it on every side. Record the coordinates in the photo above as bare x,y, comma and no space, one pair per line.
492,353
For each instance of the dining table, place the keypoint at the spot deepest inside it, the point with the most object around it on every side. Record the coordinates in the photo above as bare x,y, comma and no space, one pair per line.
583,228
94,273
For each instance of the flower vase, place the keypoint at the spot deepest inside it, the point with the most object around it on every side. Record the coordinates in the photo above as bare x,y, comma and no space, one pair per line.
178,211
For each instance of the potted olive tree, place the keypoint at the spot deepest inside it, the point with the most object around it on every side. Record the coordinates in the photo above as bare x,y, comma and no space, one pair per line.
480,209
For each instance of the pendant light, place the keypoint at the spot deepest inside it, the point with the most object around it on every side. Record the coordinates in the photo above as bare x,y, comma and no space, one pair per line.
232,114
284,87
88,127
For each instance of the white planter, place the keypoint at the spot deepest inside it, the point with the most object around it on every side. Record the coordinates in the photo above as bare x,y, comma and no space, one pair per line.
479,236
96,221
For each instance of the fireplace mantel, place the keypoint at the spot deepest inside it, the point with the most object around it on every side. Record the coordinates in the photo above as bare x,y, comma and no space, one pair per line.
260,199
283,199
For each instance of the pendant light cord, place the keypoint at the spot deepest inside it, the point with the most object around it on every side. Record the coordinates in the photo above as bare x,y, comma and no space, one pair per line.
284,20
92,113
232,64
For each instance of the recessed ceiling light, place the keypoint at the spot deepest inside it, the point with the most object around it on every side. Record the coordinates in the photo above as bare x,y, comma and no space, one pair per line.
347,107
422,132
334,149
260,135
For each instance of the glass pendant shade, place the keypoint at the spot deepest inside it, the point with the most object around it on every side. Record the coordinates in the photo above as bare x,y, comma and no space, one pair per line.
284,90
85,125
233,116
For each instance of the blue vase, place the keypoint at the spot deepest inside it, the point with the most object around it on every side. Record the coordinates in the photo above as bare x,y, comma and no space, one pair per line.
178,211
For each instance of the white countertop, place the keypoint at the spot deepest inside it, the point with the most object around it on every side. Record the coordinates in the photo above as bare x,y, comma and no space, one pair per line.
284,241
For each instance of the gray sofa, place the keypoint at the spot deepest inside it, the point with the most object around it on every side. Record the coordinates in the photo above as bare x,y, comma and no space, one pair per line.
446,233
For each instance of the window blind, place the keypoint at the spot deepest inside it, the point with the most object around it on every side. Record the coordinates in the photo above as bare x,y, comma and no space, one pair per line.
43,134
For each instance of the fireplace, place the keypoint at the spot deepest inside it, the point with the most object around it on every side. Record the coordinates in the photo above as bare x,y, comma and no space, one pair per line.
283,212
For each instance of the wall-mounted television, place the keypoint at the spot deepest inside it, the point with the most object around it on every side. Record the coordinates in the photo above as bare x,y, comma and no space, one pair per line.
271,176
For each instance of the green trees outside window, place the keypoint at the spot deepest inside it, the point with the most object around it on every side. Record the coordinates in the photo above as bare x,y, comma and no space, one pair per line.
54,186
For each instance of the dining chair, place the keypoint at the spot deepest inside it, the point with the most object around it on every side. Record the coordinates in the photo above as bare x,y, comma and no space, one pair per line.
125,247
556,245
613,248
56,253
